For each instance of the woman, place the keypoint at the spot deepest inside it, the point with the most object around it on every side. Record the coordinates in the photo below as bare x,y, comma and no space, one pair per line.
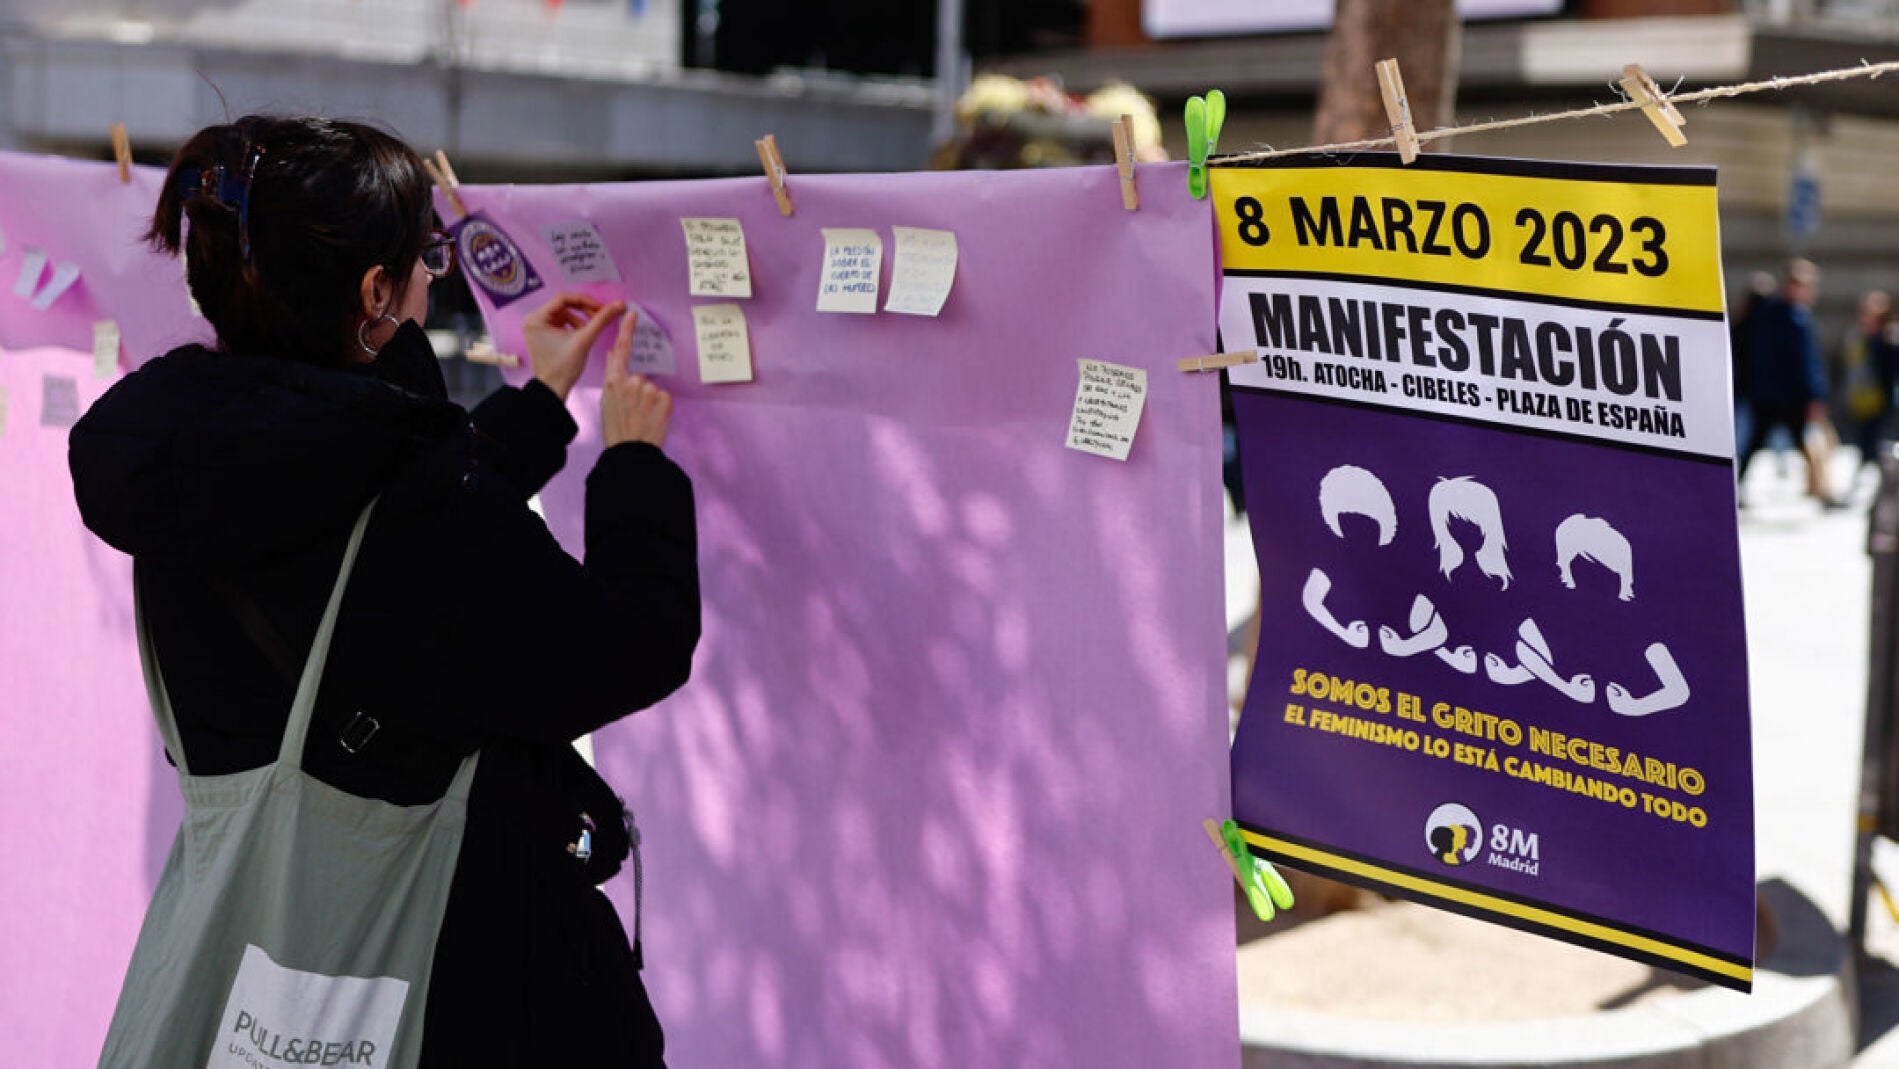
233,476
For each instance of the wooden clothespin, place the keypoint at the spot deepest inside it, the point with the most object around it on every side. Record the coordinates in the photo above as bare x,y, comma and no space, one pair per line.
774,171
448,170
1218,360
443,175
1642,89
1398,109
122,151
485,353
1123,128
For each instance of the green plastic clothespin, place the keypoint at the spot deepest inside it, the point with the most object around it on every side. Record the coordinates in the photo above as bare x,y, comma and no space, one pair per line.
1205,116
1265,888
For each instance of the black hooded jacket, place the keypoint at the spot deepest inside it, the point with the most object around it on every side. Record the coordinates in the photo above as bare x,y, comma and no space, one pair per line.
233,482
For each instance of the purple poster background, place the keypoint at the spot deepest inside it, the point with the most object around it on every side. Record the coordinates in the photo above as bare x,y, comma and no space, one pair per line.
1594,857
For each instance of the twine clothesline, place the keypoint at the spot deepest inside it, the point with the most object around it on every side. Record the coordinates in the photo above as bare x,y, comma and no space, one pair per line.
1864,70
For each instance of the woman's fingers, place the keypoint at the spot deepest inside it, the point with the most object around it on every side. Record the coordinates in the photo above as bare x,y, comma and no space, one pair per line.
559,309
620,357
590,331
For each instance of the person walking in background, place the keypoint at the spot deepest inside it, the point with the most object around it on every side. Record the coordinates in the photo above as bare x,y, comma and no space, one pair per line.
1867,359
1760,287
1789,387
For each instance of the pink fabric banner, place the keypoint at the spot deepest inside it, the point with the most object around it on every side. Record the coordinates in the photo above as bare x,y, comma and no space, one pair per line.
88,806
77,214
933,796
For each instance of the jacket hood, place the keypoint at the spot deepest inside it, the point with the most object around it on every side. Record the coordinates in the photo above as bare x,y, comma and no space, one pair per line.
224,460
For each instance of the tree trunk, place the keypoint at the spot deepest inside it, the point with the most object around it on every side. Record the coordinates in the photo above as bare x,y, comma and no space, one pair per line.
1422,35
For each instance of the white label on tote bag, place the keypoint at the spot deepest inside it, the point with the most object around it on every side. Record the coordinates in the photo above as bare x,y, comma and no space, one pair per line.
285,1017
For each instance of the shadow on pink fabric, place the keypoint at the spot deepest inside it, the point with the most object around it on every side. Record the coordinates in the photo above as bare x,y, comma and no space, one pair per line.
90,807
933,796
77,212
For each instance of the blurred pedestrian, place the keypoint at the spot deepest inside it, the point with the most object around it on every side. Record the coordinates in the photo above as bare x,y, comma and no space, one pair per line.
1789,389
391,846
1867,366
1760,287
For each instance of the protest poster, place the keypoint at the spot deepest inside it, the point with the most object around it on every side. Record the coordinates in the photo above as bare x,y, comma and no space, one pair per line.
1487,453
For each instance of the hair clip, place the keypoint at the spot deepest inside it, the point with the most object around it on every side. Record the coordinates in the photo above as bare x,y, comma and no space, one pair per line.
244,203
205,182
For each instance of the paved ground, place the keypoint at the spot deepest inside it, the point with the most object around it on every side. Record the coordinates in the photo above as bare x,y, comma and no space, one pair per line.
1807,578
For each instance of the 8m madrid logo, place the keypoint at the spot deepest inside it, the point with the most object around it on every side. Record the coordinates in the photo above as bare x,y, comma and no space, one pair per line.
1454,834
1456,837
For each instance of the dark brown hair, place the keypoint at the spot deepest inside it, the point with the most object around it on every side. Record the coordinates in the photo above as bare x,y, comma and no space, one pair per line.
328,200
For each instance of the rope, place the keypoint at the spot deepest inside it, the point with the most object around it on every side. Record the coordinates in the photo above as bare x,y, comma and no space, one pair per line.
1864,70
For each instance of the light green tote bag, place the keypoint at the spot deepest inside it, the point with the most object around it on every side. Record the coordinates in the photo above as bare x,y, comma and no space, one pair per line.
294,924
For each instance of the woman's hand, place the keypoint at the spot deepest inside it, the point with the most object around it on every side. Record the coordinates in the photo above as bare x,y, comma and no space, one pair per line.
632,409
561,333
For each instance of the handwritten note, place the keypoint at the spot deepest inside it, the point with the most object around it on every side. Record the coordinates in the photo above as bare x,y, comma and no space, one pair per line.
1108,404
64,275
922,270
580,253
852,259
105,349
33,262
652,349
725,347
715,258
59,401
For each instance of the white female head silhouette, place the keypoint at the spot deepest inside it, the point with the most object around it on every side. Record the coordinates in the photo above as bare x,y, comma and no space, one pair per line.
1351,489
1593,539
1463,499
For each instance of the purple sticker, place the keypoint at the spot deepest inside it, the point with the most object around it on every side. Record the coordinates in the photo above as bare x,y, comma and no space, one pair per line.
493,261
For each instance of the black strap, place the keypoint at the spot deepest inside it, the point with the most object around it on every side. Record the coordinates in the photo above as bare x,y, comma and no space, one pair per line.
262,632
270,642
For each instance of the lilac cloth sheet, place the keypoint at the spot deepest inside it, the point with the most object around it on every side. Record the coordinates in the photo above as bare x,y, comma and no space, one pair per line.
933,795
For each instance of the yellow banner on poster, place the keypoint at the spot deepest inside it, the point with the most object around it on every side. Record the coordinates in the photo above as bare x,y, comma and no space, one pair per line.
1520,228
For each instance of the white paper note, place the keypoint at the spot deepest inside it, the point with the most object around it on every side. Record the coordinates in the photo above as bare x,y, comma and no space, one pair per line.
725,347
922,270
652,349
32,264
1108,403
64,275
59,401
580,253
105,349
715,258
852,259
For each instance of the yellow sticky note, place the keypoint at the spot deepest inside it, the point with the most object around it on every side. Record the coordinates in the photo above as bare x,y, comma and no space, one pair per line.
105,349
716,261
853,257
1108,403
725,347
922,270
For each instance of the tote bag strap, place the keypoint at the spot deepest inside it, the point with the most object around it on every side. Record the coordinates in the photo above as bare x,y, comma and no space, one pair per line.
155,680
303,707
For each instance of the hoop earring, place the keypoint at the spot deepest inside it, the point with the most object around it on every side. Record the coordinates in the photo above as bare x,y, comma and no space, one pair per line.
364,326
